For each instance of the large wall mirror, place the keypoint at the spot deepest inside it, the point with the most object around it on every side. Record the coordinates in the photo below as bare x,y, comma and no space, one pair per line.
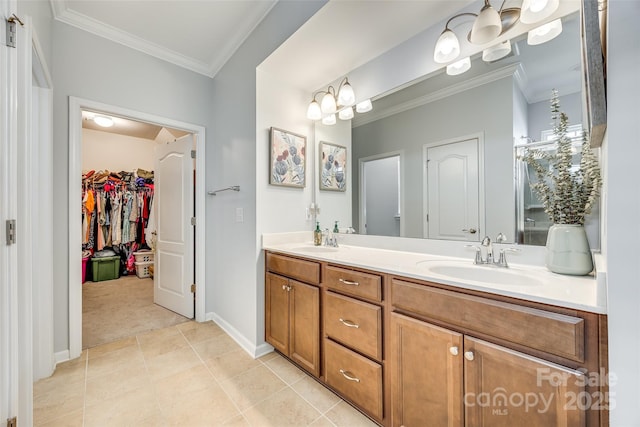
435,158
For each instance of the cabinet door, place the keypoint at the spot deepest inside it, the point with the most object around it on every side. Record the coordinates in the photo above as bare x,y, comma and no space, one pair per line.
507,388
277,312
427,374
305,326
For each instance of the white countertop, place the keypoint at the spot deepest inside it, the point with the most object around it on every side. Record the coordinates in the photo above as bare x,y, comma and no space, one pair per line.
526,282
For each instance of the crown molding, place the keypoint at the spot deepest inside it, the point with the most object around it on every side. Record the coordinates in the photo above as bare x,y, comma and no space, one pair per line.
471,83
63,14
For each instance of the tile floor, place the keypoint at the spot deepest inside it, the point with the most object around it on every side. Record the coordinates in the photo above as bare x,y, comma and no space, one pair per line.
115,309
191,374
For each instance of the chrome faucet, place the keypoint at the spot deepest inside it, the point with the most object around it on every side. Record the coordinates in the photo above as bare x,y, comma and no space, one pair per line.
330,238
489,260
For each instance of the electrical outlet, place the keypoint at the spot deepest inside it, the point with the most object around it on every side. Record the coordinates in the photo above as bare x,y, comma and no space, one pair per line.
239,215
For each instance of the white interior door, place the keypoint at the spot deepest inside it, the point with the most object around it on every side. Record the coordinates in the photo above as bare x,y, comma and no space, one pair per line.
381,191
173,202
453,208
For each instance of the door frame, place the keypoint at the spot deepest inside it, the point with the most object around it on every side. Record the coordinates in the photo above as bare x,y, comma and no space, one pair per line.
362,217
76,105
425,179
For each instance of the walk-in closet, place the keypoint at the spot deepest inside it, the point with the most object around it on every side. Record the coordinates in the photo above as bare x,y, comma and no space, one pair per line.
119,227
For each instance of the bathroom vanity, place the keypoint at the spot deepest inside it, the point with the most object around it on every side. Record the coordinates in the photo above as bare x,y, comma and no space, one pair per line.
412,339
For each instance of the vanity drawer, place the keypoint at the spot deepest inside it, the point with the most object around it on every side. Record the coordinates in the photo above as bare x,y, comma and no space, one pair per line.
354,323
352,282
355,377
550,332
306,271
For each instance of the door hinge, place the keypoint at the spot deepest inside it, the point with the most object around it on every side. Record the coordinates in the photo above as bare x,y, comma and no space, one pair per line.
427,217
11,232
193,288
11,30
193,220
12,422
193,154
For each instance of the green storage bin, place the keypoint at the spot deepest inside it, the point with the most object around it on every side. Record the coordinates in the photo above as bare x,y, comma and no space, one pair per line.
106,268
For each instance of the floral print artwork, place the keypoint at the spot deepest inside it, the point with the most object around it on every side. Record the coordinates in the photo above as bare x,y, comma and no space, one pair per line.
333,167
287,158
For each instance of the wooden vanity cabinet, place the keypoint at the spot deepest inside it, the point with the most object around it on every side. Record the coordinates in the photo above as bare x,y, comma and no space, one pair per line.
292,314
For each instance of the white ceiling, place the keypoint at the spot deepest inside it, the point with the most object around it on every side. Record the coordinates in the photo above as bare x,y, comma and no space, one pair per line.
126,126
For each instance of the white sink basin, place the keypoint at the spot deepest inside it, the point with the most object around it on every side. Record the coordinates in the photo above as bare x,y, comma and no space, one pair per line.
490,275
315,249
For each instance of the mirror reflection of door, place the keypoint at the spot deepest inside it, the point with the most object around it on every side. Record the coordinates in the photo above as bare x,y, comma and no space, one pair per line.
452,191
380,189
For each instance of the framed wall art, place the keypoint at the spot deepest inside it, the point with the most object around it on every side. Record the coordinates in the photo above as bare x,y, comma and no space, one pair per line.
333,167
287,158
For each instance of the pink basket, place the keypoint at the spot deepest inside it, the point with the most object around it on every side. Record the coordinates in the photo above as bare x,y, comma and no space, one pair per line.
84,269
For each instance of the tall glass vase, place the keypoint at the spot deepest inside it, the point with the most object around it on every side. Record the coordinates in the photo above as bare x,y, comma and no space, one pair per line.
568,250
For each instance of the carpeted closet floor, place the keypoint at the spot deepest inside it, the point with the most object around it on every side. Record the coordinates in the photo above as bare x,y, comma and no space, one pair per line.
115,309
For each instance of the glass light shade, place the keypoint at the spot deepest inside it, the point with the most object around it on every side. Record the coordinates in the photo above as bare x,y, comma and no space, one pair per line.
346,96
346,114
447,47
486,27
364,106
459,67
497,51
544,33
329,120
314,112
328,105
536,10
105,122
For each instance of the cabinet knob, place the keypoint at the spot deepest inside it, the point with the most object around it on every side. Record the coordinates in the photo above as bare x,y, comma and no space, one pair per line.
453,350
469,355
348,375
349,323
284,287
288,288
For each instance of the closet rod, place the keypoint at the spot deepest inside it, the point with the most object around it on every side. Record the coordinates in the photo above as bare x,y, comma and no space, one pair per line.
233,187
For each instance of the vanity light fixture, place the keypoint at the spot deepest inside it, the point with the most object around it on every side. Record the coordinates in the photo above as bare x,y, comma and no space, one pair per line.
488,25
330,104
544,33
364,106
459,67
104,121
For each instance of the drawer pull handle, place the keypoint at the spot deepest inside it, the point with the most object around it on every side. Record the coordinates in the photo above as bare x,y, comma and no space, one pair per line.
469,355
349,323
348,375
349,282
453,350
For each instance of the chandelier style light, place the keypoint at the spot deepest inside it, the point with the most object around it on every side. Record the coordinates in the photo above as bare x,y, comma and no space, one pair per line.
330,104
488,25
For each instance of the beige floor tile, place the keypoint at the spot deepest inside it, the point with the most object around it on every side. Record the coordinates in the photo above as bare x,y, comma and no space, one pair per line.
129,356
344,415
196,332
154,344
215,346
104,349
268,356
176,361
316,394
322,422
64,375
284,408
188,381
253,386
128,409
209,406
285,369
116,383
238,421
228,365
58,403
71,419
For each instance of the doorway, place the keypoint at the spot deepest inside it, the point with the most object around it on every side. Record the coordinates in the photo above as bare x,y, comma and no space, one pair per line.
76,106
380,193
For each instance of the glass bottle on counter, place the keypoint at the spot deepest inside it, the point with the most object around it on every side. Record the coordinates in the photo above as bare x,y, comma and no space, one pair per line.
317,235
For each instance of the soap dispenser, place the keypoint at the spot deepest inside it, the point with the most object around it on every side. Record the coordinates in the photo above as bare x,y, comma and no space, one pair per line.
317,235
335,228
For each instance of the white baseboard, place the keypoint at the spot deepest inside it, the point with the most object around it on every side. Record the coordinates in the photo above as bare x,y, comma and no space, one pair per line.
61,356
248,346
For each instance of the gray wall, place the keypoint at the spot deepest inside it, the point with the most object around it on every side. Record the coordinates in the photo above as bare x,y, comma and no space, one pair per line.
540,113
459,115
40,12
94,68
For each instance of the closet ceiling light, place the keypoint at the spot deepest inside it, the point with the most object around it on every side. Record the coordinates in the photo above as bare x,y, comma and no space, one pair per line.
331,103
105,122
